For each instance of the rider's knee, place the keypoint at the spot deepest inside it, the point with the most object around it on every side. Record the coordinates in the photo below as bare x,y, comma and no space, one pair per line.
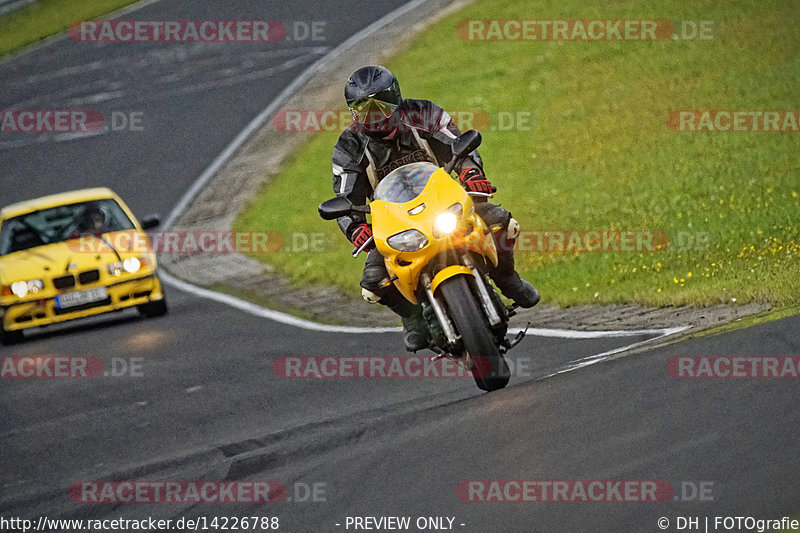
375,279
370,296
496,217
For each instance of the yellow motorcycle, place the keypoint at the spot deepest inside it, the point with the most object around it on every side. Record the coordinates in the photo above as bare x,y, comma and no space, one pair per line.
437,252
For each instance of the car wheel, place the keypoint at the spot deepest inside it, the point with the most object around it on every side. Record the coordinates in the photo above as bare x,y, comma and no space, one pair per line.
10,337
153,309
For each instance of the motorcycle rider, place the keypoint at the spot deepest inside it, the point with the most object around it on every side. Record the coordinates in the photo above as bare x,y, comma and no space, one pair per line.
389,131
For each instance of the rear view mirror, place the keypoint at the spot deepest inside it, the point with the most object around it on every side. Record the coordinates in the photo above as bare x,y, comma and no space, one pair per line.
150,222
462,147
466,143
335,208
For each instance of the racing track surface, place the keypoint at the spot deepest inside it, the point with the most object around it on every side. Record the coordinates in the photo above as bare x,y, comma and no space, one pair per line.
208,405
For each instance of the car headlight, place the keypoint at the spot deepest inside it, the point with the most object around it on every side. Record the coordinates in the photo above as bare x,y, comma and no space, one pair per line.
447,221
408,241
131,265
23,288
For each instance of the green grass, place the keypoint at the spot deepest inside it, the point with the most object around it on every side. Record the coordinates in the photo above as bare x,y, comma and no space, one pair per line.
601,155
45,18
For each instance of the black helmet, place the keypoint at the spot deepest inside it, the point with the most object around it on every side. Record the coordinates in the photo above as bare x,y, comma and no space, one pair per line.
372,95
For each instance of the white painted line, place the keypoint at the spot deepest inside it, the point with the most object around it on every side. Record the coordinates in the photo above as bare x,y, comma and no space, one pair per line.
582,334
263,312
72,136
290,320
606,356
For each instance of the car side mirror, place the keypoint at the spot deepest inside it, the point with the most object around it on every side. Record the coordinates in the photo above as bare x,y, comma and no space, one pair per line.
150,222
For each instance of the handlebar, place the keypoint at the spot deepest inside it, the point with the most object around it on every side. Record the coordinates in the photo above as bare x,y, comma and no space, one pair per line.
361,248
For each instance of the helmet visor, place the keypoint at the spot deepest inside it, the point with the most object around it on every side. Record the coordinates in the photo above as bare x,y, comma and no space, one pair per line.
372,109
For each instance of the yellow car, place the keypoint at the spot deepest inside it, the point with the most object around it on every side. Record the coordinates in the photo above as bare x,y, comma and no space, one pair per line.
74,255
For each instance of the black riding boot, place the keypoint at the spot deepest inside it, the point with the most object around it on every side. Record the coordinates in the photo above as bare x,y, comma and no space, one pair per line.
378,288
415,328
507,279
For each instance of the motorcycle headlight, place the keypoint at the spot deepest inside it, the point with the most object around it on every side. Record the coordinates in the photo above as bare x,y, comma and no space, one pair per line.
447,221
22,288
408,241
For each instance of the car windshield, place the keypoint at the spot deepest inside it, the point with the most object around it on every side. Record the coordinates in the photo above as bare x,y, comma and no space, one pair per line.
62,223
405,183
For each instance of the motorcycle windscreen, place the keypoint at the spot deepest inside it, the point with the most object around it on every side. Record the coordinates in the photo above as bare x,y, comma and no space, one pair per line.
405,183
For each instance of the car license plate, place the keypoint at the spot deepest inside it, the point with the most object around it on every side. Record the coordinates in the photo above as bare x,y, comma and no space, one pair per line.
74,299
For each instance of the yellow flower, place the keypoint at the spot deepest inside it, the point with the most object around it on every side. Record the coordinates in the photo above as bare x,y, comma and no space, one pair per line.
689,275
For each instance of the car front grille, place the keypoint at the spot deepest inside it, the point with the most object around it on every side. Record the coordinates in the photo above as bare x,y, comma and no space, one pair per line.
64,282
90,276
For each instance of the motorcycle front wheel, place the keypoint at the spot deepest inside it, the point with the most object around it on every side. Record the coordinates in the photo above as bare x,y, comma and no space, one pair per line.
489,368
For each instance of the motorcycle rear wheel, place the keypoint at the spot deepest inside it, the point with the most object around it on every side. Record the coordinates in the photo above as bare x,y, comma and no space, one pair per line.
489,368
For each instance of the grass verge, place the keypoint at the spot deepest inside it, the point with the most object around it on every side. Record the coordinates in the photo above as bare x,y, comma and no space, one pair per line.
601,155
46,18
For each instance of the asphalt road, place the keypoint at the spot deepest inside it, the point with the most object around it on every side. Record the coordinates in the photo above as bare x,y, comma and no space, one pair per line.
193,98
206,404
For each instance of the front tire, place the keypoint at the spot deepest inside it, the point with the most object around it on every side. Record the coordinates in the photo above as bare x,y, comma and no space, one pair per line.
489,368
7,338
154,308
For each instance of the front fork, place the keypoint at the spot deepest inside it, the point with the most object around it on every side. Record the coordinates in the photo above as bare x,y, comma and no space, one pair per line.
448,329
490,310
486,300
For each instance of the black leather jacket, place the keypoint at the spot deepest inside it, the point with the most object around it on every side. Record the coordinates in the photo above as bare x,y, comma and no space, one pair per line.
353,151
